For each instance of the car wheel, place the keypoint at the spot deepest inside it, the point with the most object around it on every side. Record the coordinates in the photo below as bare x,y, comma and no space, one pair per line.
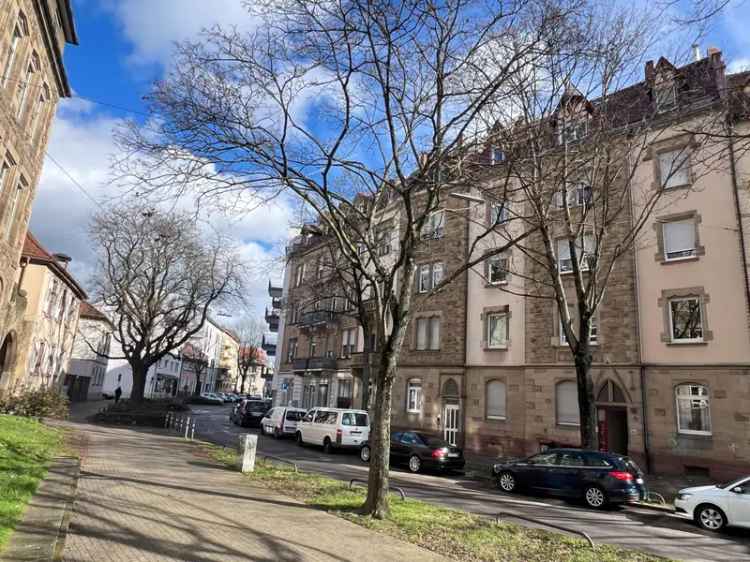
415,464
507,482
594,497
710,517
327,446
364,453
300,442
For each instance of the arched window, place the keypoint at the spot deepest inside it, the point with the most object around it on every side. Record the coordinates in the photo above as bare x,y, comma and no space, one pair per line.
495,397
414,396
450,389
693,409
566,402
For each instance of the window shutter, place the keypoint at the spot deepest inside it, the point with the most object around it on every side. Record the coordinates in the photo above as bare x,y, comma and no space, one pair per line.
435,332
422,333
566,397
679,237
496,399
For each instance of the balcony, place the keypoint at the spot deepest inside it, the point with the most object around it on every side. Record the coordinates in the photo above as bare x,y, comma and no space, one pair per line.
268,346
276,302
272,319
358,359
314,364
315,317
275,292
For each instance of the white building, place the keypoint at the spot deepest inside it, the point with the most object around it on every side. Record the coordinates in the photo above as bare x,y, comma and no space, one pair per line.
91,349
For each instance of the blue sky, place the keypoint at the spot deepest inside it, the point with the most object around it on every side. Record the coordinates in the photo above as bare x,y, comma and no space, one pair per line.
124,46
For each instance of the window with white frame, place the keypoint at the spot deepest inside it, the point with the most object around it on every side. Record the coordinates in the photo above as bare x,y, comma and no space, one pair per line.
18,32
497,270
495,400
497,155
429,276
674,168
577,195
585,247
26,84
497,330
428,333
348,342
434,226
15,199
686,319
414,396
499,213
593,331
665,97
679,239
566,404
693,409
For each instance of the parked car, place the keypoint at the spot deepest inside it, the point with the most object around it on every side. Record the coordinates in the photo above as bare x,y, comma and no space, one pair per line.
596,477
280,421
714,507
248,413
206,398
334,428
420,451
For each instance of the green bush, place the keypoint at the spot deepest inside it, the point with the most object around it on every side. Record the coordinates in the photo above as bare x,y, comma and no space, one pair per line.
38,403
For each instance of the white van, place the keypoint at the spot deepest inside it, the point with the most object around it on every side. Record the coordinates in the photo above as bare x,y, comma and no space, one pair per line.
334,428
280,421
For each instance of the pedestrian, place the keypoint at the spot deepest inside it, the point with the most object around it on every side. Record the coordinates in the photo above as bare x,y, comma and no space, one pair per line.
118,393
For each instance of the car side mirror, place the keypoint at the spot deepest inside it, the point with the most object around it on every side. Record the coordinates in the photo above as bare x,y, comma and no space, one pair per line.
738,490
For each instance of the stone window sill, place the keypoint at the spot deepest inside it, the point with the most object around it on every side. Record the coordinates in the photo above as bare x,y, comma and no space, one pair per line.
495,419
496,348
571,426
489,285
690,259
681,343
695,436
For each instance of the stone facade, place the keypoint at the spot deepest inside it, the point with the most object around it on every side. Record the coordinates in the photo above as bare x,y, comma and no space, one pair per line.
32,80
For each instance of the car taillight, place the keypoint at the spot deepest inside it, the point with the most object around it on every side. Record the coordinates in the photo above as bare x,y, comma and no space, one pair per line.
438,453
620,475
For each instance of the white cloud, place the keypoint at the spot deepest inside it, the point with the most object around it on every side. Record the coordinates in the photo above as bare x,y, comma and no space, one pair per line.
154,26
739,65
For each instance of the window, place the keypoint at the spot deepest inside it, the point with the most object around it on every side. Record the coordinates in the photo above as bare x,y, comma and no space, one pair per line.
566,402
323,401
428,333
665,97
497,330
348,342
414,396
693,411
499,214
15,198
679,239
434,226
572,131
593,332
18,32
497,155
429,276
570,458
497,270
383,242
585,249
291,351
313,350
354,419
543,459
674,168
495,394
577,195
344,398
299,274
686,320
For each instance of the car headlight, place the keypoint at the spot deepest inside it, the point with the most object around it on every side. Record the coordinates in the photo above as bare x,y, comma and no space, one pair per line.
682,496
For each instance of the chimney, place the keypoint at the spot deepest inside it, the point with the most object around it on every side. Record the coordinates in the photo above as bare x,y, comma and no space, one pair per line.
696,52
713,51
63,259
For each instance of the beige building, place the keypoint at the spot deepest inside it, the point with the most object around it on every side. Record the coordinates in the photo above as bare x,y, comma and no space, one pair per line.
88,362
46,333
229,372
33,35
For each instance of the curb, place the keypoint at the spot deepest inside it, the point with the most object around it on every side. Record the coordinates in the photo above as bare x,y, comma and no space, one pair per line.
654,507
41,534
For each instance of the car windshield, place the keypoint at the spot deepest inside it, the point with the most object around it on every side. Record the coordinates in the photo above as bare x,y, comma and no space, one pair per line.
256,407
295,416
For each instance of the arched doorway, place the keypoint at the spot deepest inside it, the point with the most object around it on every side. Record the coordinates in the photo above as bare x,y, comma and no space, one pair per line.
6,356
612,410
451,411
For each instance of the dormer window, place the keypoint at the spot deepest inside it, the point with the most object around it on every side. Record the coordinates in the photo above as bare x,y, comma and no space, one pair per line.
665,97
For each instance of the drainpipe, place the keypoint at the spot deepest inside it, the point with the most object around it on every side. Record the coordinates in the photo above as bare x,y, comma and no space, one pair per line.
738,213
24,263
644,420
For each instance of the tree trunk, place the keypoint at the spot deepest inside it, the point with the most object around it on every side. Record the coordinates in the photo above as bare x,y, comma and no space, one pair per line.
586,406
376,504
139,381
243,379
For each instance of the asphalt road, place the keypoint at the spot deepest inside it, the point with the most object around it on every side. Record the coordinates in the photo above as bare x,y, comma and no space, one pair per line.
632,527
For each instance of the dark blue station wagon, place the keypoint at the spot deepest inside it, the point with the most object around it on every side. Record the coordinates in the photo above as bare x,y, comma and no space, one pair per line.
596,477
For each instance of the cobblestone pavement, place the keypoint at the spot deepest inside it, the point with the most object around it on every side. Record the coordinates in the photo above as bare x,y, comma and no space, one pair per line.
146,496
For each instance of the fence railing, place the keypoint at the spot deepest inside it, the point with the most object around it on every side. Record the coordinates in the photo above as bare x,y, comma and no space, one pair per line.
181,424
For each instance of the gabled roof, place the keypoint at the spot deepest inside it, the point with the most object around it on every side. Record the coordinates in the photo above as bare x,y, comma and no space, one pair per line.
92,313
34,252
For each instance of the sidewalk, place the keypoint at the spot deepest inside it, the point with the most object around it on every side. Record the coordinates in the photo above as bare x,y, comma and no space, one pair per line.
146,496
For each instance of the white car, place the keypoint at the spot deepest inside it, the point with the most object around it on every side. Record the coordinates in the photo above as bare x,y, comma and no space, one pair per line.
714,507
334,428
280,421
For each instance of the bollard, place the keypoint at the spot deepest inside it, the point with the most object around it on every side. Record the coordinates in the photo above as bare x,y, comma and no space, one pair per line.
166,420
192,432
187,427
248,447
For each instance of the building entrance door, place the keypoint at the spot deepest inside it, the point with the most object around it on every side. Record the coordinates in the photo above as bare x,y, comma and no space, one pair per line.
451,423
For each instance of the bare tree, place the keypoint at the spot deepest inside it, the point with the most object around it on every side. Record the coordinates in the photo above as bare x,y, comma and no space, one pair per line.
250,333
366,112
157,276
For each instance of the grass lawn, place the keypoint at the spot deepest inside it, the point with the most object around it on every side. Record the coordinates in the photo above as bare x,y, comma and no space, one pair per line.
452,533
26,447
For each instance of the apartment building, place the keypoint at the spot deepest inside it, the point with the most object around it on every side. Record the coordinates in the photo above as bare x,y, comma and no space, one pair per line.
32,39
487,366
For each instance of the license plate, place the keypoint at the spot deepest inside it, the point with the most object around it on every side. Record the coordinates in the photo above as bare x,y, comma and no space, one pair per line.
452,454
639,480
355,433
